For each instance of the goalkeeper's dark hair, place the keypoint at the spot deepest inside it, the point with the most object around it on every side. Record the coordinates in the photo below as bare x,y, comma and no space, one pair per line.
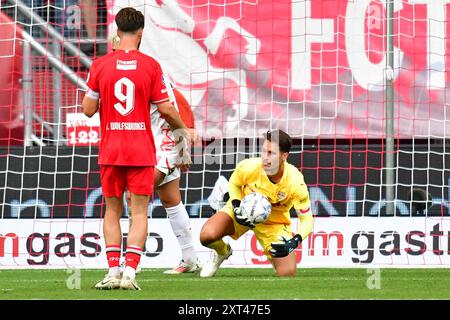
129,20
282,138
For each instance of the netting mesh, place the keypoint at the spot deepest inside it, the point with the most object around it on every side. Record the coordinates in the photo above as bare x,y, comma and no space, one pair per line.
316,69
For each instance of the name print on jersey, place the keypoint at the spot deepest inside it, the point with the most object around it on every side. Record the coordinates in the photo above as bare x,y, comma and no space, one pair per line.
126,126
126,64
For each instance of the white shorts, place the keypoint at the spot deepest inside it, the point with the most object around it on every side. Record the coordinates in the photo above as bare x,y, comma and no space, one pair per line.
166,163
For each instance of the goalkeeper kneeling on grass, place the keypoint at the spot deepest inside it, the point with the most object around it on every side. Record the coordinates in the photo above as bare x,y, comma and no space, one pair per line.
283,184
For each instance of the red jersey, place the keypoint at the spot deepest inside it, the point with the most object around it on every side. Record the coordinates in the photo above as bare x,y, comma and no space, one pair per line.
127,81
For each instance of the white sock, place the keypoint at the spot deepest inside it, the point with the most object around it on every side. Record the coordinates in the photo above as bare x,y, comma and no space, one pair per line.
114,272
179,220
129,272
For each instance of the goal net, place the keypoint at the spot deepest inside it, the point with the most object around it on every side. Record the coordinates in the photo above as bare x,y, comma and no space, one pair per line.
318,70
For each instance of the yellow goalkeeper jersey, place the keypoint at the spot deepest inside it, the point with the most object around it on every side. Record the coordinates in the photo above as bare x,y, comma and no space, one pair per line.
290,191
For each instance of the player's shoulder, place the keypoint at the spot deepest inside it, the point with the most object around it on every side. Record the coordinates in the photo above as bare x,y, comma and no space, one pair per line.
296,181
103,59
105,64
295,175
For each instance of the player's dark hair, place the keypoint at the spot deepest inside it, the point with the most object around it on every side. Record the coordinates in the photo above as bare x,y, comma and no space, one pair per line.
129,20
282,138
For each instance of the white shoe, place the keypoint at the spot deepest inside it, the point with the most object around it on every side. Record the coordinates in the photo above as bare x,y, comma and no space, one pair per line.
184,267
108,283
122,267
210,268
129,284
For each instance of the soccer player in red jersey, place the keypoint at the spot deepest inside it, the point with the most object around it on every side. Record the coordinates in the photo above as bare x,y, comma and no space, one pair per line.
127,82
167,178
167,173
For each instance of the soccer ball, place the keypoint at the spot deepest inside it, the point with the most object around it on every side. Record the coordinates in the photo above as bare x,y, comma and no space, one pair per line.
256,207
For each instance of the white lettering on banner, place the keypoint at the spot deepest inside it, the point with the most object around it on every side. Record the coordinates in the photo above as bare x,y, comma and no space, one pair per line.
81,130
336,56
80,119
73,17
127,126
436,16
362,242
304,32
369,75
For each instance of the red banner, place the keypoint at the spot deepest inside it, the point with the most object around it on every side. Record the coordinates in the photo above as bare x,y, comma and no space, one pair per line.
314,68
11,96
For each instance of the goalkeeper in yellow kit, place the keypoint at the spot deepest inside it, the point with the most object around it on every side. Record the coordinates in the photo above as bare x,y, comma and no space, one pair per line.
284,186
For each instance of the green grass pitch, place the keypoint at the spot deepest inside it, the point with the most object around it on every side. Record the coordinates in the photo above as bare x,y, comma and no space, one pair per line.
230,283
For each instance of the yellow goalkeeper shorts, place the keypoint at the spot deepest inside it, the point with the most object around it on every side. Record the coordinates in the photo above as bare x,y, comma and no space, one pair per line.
265,233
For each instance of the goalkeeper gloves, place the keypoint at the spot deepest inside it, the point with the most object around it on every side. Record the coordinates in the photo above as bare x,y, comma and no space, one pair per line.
285,247
239,216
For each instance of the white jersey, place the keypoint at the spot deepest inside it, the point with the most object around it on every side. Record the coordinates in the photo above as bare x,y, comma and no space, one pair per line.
169,154
163,135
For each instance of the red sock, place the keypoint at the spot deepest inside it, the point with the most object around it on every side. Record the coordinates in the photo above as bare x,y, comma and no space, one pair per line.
113,255
133,256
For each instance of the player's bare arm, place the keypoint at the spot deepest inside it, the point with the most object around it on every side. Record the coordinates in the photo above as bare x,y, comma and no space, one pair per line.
171,115
90,106
180,131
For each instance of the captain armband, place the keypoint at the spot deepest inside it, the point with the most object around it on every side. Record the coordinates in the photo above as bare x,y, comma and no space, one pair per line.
92,94
303,211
